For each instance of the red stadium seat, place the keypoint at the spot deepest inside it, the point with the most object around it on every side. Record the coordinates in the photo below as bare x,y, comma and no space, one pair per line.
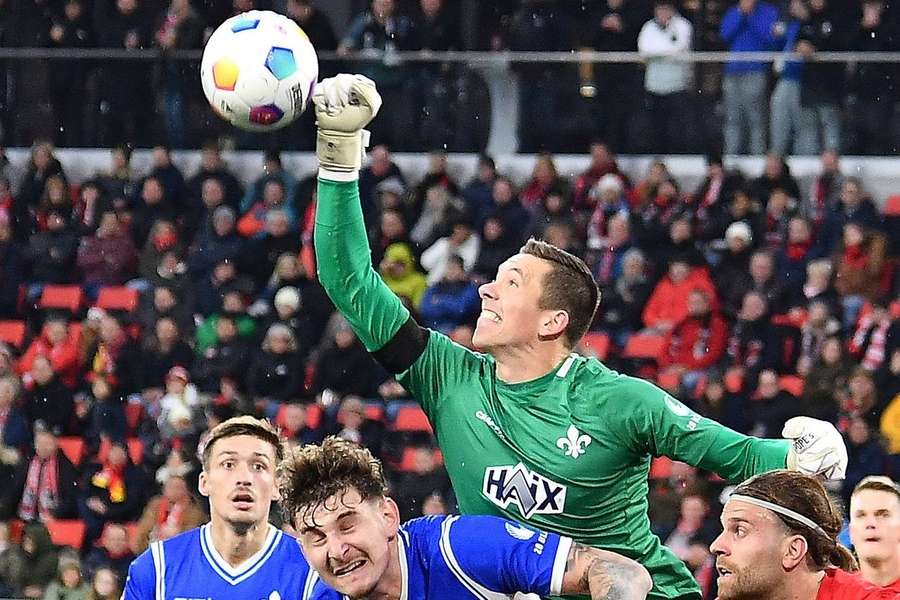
791,384
67,533
133,414
135,450
734,382
411,418
313,416
374,412
13,333
668,381
62,297
645,345
73,448
660,467
892,206
16,529
596,343
118,298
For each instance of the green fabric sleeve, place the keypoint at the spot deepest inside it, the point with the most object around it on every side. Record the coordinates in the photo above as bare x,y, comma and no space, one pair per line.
344,265
663,426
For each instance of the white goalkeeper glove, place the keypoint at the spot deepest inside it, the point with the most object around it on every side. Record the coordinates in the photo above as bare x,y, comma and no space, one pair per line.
344,105
817,448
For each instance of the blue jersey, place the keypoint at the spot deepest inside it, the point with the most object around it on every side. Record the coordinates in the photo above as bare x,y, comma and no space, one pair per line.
188,567
471,556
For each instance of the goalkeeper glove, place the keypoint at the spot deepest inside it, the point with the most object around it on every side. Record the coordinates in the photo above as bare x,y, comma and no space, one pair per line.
344,105
816,448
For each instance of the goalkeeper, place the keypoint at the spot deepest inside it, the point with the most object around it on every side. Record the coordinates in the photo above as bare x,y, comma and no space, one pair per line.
530,431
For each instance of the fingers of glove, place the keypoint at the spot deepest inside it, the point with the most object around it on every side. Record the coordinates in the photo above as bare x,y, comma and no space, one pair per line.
795,427
363,92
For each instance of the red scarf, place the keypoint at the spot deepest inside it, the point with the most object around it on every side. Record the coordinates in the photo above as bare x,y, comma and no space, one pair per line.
797,250
855,257
41,490
111,479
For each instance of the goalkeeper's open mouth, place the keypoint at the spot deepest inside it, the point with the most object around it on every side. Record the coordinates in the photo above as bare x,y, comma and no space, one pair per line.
723,571
489,315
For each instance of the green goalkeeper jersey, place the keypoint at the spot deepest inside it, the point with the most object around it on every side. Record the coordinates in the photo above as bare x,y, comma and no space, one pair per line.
568,452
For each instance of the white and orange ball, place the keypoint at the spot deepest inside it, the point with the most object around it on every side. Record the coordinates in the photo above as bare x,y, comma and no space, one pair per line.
259,70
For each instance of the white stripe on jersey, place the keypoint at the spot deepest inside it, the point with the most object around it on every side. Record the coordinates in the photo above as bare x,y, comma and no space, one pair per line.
159,569
311,578
559,565
235,575
473,586
564,369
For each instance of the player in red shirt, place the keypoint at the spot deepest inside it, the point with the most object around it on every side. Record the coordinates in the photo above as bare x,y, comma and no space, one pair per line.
779,542
875,530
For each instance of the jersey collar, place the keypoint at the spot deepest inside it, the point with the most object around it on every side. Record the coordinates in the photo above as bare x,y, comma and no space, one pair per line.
235,575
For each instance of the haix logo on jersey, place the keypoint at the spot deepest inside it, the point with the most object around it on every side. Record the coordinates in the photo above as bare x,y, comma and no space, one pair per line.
531,493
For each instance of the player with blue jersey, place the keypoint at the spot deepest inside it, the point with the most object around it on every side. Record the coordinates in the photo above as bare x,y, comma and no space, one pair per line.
334,495
238,554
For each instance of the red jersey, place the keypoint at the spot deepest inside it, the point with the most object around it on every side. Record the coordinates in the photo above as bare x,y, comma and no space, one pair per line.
840,585
893,586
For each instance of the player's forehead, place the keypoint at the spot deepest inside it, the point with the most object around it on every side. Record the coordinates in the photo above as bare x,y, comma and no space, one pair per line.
344,504
526,266
243,447
872,500
740,511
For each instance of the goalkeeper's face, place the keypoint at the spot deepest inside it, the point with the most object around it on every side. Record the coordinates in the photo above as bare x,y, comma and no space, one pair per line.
510,313
351,542
753,552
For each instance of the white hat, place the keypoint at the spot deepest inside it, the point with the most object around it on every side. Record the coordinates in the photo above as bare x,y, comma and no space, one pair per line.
739,229
288,296
610,182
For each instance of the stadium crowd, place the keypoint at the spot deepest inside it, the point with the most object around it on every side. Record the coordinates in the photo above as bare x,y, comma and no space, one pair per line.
140,309
662,106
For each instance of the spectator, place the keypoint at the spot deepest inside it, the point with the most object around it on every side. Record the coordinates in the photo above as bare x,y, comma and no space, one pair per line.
612,88
795,254
776,175
113,491
315,24
610,200
626,298
275,375
112,553
876,337
253,223
59,344
52,254
262,253
179,28
607,265
342,353
398,270
461,242
224,280
12,563
426,478
668,304
826,381
221,243
234,305
746,27
439,212
383,28
12,269
272,169
873,83
818,286
181,398
151,206
42,558
228,357
697,342
436,175
858,265
295,424
544,180
165,304
866,456
214,168
760,278
667,82
860,401
855,205
887,378
70,29
352,424
108,257
479,191
770,406
46,399
118,185
496,246
603,162
741,208
42,165
163,350
694,520
712,197
172,512
823,89
791,128
115,357
452,301
752,346
44,487
105,585
825,195
816,329
69,583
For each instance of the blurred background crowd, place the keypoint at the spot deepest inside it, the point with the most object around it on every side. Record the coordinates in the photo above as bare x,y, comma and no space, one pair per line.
140,307
659,104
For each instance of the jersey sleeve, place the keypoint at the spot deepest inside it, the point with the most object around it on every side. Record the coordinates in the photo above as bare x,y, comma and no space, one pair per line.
495,555
140,583
660,425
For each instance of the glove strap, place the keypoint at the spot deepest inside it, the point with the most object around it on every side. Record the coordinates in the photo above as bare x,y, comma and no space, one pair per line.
340,152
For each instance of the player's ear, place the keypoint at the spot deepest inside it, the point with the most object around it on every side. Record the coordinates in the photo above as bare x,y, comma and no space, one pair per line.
391,514
203,485
553,323
794,551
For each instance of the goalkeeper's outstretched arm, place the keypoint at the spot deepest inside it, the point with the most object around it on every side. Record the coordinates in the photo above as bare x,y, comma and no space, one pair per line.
344,105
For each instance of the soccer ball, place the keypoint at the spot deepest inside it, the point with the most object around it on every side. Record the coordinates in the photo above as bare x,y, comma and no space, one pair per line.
259,70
